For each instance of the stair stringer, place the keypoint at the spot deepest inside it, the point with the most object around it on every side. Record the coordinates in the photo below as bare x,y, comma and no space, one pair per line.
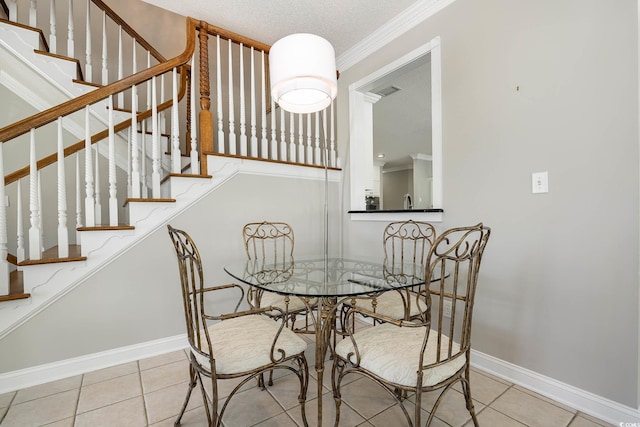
50,282
50,84
53,281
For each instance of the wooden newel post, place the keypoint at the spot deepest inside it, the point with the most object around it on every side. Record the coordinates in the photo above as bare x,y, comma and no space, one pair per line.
205,117
187,73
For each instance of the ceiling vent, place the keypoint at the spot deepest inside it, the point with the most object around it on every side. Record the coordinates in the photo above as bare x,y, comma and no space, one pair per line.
387,91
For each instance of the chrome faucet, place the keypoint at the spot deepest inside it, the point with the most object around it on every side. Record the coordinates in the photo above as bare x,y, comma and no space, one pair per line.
408,204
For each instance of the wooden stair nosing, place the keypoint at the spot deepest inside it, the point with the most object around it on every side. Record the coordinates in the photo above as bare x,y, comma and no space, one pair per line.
189,175
66,58
82,82
50,256
107,228
26,27
148,200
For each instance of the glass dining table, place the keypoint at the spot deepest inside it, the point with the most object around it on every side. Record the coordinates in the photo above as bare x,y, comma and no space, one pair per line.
329,281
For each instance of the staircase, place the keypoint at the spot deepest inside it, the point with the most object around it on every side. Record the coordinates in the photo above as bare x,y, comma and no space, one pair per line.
133,168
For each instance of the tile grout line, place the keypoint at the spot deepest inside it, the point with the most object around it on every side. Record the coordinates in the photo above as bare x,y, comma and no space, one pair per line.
144,401
75,411
9,406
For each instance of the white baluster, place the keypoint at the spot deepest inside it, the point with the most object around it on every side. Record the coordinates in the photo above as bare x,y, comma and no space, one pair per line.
176,153
232,125
88,69
143,161
218,95
113,190
334,160
309,141
13,10
300,140
105,69
264,143
89,200
195,160
274,138
283,139
98,206
63,233
35,242
20,251
4,236
33,13
129,133
318,155
120,66
292,138
78,199
71,47
243,124
148,81
155,143
162,125
41,213
53,42
135,160
254,138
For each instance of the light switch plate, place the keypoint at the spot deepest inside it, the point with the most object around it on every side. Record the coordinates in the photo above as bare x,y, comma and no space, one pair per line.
539,182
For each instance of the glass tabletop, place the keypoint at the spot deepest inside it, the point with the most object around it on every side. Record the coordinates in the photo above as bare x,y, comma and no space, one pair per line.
345,276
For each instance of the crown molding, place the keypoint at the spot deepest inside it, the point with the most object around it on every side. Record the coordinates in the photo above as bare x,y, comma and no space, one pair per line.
412,16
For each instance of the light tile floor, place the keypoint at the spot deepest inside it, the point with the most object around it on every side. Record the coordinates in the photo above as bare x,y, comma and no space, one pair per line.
150,392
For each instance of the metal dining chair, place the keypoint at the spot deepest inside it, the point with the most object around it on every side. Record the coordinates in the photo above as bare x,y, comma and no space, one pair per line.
406,245
242,344
425,354
270,245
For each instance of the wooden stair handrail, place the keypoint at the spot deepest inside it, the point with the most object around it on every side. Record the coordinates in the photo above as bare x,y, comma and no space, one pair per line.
234,37
80,145
40,119
133,33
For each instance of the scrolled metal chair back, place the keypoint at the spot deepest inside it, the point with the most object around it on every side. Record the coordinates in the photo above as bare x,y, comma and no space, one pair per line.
452,271
271,242
406,245
192,285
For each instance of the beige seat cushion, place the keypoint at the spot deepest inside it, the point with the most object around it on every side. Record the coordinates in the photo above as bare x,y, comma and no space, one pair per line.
390,304
392,353
244,343
277,300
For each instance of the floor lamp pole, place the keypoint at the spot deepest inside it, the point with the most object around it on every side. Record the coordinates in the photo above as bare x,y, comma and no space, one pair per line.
325,152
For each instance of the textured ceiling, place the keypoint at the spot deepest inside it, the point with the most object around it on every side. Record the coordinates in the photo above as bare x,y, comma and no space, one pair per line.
343,22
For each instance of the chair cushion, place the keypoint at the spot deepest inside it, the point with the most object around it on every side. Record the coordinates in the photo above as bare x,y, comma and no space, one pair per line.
277,300
392,353
390,304
244,343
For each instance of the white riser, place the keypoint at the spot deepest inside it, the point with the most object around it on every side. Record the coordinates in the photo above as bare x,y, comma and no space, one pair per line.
92,240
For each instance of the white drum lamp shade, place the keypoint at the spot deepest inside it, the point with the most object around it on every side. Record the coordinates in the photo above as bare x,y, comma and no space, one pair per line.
302,69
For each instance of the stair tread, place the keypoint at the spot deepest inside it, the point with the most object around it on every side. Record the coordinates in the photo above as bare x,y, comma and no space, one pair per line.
82,82
66,58
16,287
106,227
190,175
145,200
27,27
50,256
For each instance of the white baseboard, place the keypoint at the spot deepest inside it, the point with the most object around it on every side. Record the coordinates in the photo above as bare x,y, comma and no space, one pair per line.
589,403
41,374
584,401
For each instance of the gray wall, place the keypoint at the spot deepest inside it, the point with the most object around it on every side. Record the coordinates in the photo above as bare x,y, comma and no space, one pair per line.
136,298
550,85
